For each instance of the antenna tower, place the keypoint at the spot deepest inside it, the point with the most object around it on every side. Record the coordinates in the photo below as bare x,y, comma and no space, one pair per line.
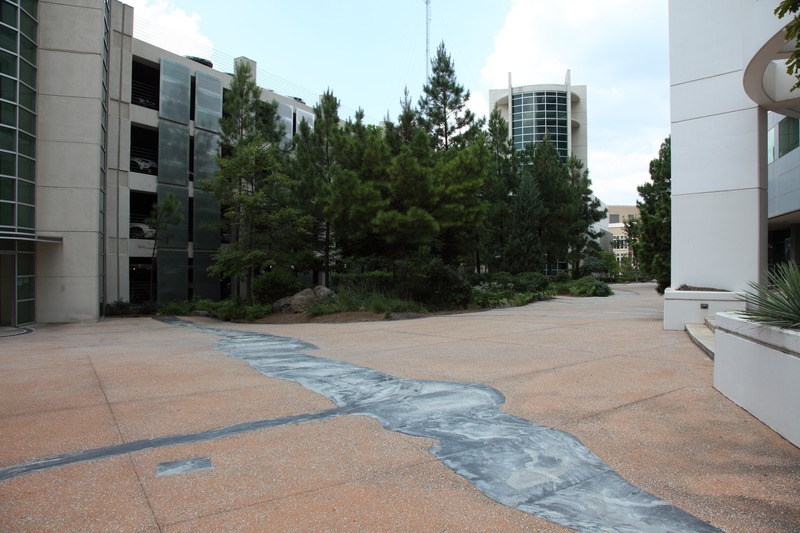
427,38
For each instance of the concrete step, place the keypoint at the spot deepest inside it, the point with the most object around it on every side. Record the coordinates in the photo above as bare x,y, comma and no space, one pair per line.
703,336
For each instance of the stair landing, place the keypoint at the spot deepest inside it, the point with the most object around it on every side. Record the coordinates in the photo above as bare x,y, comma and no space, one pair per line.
703,335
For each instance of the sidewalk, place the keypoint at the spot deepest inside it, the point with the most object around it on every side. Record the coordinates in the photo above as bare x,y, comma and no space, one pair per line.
600,369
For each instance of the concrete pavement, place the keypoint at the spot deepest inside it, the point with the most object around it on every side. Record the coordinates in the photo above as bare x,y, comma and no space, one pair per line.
602,370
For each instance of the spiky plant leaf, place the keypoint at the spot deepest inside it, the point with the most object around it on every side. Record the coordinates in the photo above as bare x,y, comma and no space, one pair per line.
776,303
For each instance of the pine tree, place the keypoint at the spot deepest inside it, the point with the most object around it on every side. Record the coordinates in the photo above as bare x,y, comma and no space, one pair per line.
458,181
247,124
653,248
239,122
501,181
267,223
402,133
407,222
442,109
522,249
358,193
317,168
586,212
542,162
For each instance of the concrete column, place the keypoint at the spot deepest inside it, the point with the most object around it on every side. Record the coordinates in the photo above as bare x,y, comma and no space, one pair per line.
69,160
119,128
719,169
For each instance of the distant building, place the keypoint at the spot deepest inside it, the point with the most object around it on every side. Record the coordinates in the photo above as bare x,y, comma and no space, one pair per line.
96,127
617,215
534,110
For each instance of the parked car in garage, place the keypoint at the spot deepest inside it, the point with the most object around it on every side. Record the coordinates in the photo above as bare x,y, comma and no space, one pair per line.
142,231
144,165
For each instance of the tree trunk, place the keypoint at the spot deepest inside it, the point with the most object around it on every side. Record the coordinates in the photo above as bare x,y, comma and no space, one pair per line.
327,274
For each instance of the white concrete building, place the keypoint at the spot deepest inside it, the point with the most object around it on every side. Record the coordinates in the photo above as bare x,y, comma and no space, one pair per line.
95,126
734,169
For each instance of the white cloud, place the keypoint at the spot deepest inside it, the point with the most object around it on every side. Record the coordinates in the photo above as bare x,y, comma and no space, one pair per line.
626,171
478,104
162,24
625,164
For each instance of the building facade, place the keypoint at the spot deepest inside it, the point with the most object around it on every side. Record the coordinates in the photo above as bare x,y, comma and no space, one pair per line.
617,216
532,111
97,127
735,186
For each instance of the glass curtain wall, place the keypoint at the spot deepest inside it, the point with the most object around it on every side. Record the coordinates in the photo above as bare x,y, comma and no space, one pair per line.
534,114
18,38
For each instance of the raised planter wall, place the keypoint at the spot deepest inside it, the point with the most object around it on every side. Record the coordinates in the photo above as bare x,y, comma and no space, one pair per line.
692,307
758,368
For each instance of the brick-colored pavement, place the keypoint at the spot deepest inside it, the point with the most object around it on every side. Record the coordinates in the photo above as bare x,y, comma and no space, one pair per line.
601,369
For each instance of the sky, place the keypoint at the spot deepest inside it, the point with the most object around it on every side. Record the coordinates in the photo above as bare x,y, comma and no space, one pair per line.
367,52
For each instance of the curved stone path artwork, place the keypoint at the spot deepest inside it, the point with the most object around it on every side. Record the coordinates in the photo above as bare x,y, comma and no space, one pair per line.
539,470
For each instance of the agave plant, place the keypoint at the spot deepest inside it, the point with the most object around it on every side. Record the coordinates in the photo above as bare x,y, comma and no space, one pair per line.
776,303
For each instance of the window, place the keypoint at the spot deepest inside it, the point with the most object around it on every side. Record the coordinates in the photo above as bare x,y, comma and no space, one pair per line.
771,146
613,219
788,135
536,114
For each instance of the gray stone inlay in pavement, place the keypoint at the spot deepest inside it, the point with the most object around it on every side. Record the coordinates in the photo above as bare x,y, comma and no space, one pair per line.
9,472
174,468
533,468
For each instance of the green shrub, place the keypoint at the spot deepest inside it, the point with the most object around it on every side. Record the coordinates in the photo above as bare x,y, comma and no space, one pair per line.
502,278
175,308
425,278
227,310
118,308
359,299
375,280
524,298
492,294
589,286
273,285
778,302
123,308
531,282
563,277
230,311
630,275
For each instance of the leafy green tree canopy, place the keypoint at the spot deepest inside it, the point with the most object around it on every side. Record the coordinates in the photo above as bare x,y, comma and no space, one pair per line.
792,34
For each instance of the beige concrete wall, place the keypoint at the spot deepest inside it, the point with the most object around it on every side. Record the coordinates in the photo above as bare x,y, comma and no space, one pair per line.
117,280
580,123
69,159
